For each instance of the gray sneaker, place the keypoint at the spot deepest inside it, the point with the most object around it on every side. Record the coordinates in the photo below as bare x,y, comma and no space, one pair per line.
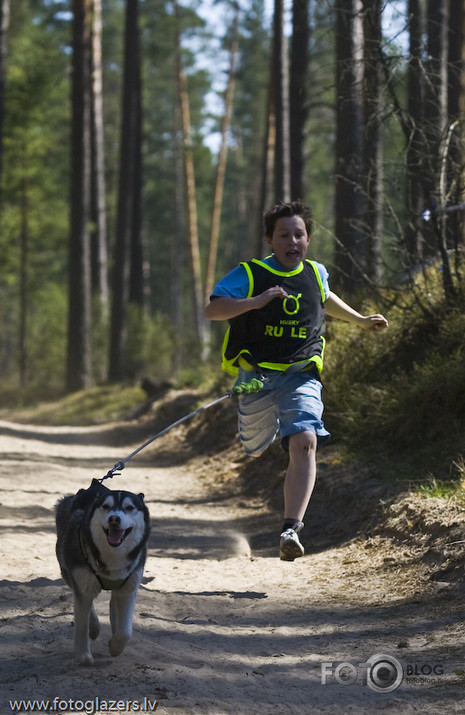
290,547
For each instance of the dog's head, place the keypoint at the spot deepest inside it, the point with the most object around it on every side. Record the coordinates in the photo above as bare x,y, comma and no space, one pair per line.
118,520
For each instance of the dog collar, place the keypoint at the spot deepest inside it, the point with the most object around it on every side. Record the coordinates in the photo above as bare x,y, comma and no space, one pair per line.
107,584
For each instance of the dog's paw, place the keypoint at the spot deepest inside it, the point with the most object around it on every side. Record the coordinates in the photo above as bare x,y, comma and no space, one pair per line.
84,659
117,644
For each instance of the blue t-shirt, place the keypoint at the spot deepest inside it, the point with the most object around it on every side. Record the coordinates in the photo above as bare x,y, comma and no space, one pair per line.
236,283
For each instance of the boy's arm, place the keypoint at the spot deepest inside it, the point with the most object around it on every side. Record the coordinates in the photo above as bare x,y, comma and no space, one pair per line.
223,307
336,308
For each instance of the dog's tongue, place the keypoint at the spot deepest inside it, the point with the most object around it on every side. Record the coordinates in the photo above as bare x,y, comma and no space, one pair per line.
115,537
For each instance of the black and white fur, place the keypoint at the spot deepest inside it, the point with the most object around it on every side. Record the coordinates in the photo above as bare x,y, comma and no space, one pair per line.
101,543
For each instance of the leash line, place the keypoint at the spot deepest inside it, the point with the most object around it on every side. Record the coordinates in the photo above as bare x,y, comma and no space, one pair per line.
242,388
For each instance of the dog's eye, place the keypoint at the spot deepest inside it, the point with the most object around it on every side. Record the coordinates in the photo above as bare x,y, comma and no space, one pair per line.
105,507
129,507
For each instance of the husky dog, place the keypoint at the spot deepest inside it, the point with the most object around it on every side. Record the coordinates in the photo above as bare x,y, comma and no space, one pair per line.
101,544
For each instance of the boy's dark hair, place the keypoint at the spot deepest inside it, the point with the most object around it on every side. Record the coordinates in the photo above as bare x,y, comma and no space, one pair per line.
283,210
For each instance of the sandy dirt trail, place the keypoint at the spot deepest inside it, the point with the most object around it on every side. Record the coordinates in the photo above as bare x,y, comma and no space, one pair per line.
221,624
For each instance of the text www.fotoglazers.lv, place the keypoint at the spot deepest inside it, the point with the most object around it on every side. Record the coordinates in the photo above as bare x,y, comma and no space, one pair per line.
88,706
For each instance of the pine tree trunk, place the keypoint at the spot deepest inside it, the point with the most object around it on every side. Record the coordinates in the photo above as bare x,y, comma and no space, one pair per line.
127,195
191,200
4,30
351,249
137,279
416,143
373,144
98,209
221,166
298,95
435,103
267,170
24,283
280,73
79,315
436,131
455,110
177,297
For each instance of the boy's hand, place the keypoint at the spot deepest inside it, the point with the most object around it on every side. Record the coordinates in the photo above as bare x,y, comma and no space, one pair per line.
224,308
336,308
269,295
374,322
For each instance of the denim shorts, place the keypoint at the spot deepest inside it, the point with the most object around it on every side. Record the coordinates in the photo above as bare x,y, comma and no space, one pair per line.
288,403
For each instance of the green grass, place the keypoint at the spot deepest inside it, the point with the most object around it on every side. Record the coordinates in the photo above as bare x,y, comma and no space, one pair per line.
100,404
96,405
442,489
451,488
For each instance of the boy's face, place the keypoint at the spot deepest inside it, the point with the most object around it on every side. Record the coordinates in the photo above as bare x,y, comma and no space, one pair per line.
289,241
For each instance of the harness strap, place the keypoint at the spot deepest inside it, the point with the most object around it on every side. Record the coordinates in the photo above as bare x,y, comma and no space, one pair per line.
106,583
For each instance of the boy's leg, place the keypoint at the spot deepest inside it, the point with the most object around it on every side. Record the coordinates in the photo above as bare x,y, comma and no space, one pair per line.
298,488
300,475
302,430
293,404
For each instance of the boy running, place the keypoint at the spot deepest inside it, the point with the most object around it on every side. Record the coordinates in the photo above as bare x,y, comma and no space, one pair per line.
276,309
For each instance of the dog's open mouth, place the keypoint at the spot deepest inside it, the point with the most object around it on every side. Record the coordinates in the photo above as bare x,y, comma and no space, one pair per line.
115,537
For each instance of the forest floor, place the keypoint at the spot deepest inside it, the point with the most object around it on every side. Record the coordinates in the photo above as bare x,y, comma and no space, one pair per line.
221,624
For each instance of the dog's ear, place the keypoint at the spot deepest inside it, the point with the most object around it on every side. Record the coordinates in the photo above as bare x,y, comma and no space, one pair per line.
98,486
86,497
141,496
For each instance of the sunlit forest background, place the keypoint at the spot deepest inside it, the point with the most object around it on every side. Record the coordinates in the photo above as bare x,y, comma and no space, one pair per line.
141,141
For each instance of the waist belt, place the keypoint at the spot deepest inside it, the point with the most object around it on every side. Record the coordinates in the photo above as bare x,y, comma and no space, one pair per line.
307,366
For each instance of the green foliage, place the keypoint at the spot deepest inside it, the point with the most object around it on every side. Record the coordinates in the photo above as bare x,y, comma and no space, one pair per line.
398,395
207,378
45,343
47,321
35,166
34,209
150,344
